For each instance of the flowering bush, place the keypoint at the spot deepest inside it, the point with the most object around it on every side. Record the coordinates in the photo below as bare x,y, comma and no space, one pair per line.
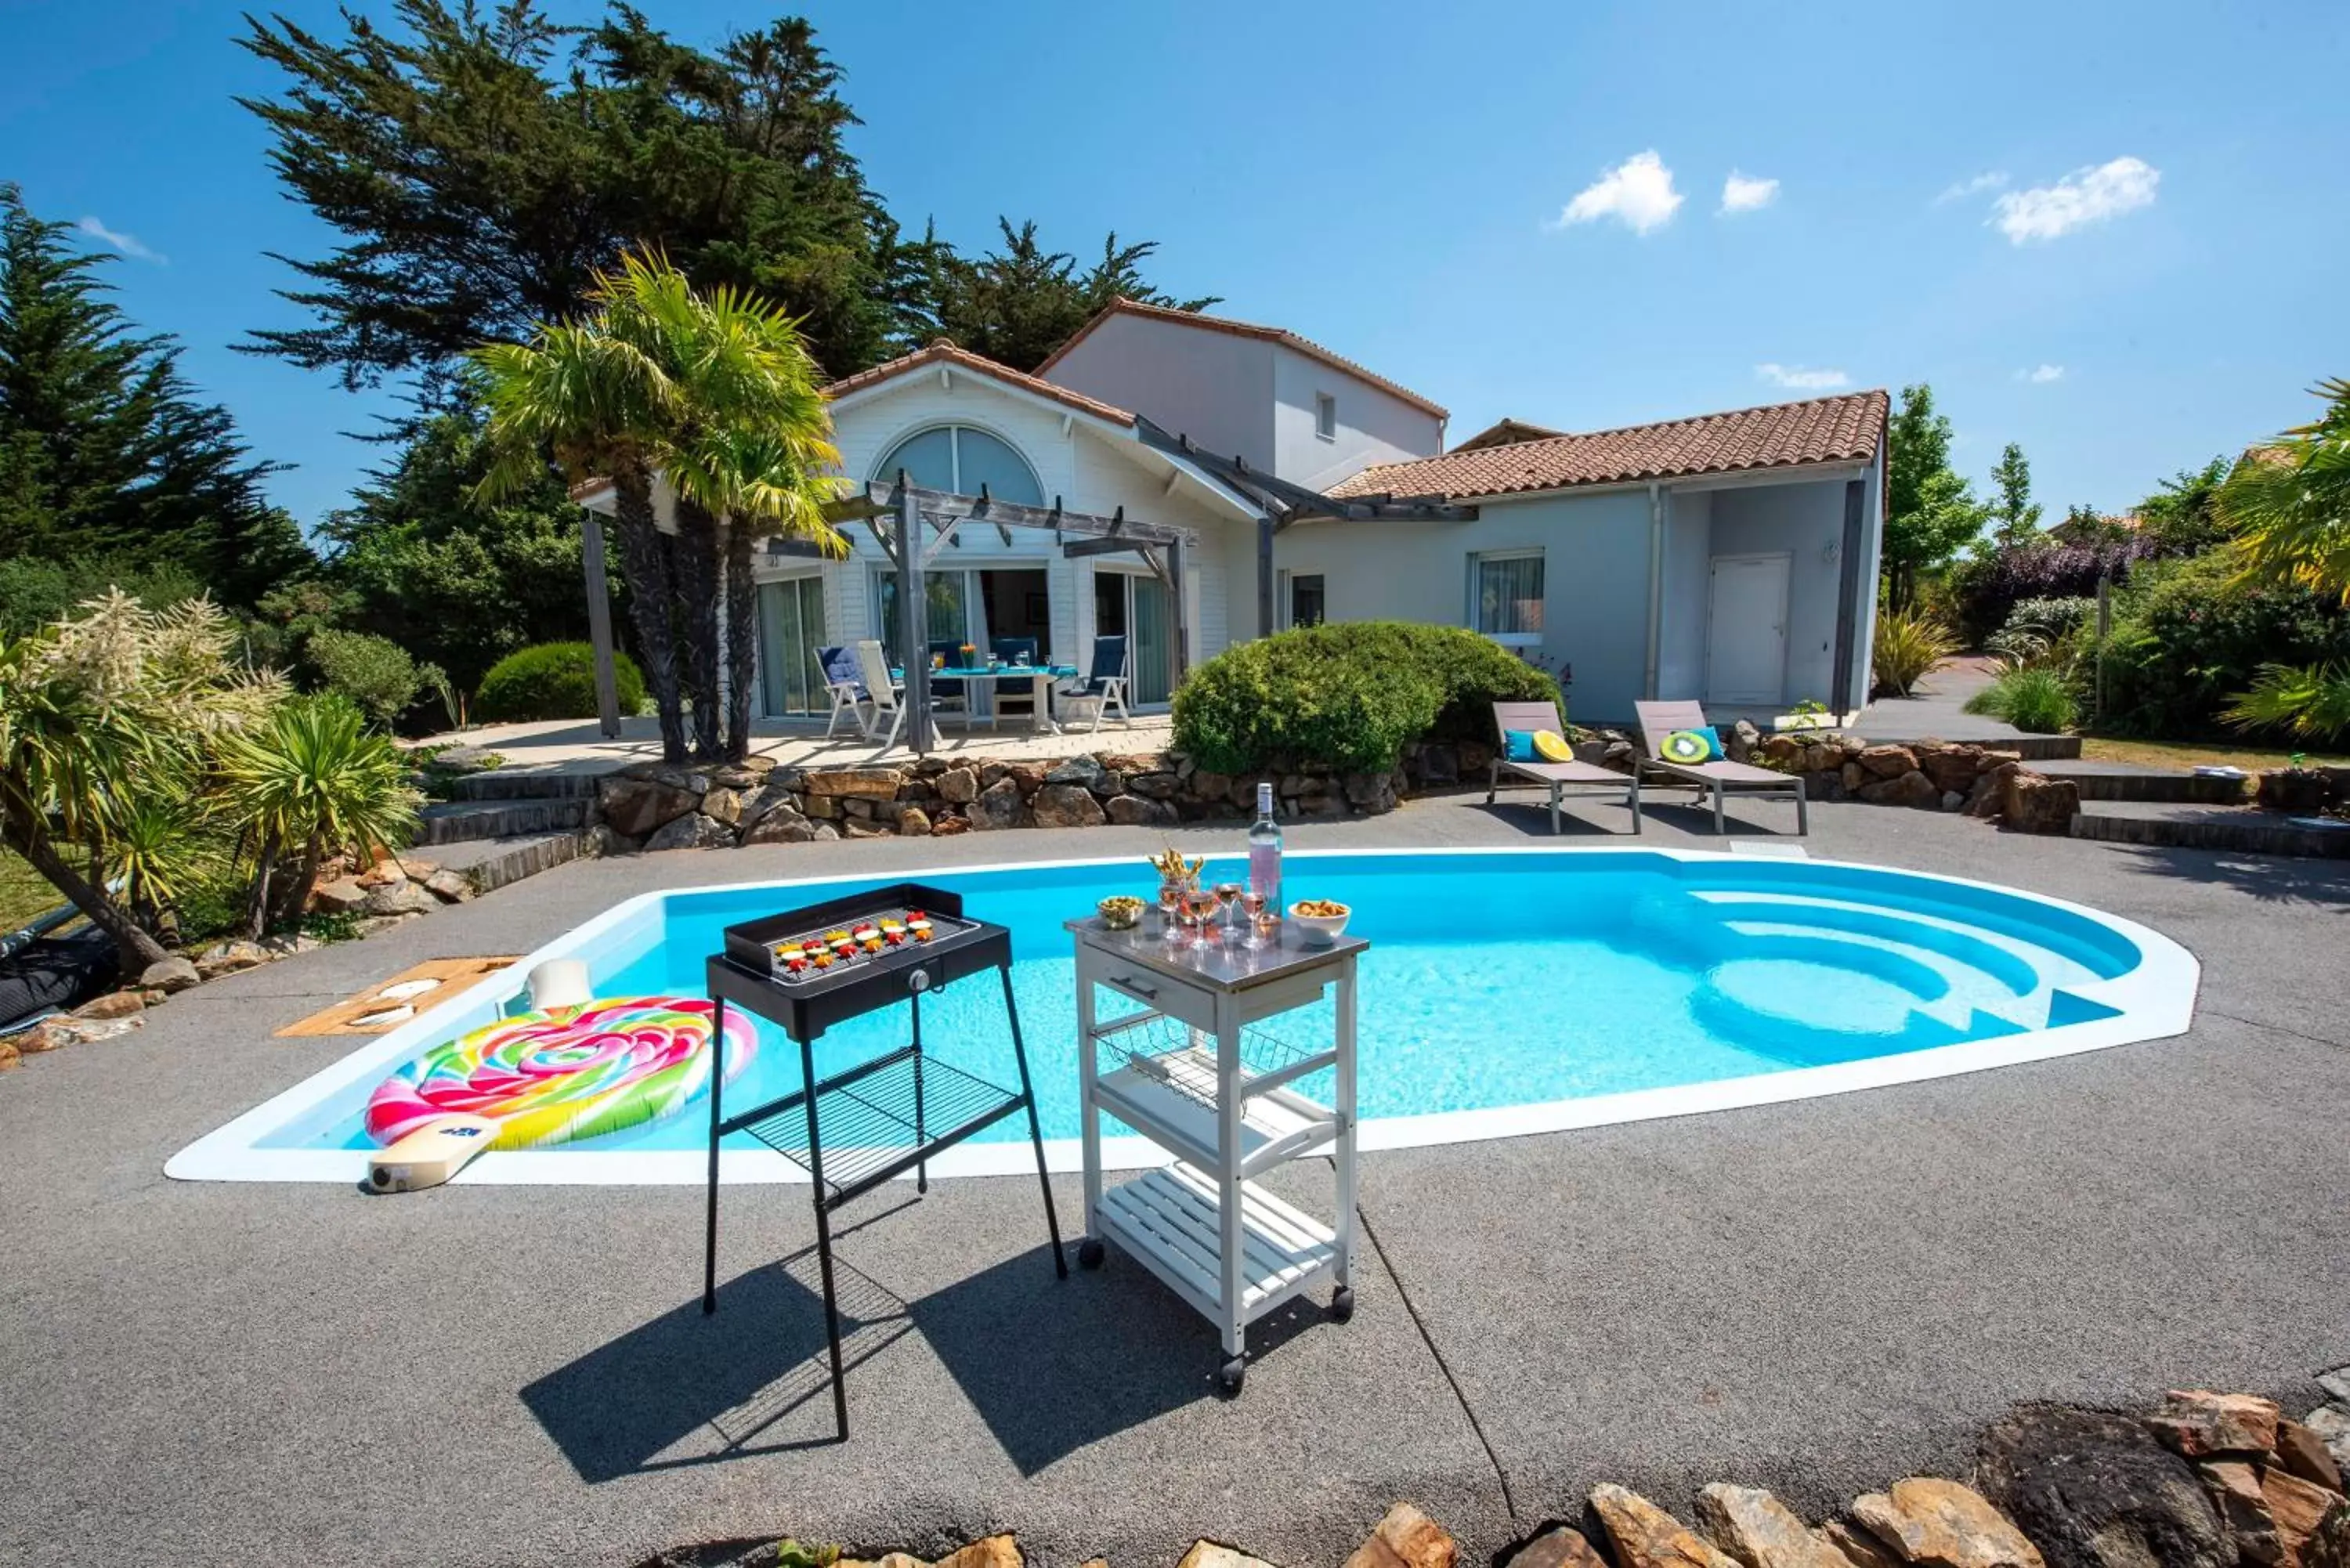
1986,588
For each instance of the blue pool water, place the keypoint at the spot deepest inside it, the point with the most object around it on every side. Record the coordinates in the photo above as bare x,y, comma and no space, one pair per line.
1492,980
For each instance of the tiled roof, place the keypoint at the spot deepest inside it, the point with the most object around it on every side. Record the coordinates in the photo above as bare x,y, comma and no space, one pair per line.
1823,430
1123,306
1505,432
945,353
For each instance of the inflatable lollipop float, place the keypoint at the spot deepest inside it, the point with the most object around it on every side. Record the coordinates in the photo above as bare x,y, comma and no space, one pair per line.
554,1076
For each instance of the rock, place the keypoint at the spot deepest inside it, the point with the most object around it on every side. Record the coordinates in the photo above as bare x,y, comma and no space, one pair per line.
1989,796
1938,1523
862,782
638,806
857,827
1206,785
1373,793
1889,762
170,974
1952,767
825,833
1110,782
747,774
113,1004
1862,1548
228,958
2304,1453
605,839
1760,1531
369,925
48,1034
1953,801
1208,1554
2328,1545
2336,1383
1854,775
948,826
989,1551
400,898
694,782
74,1031
1440,764
339,896
1080,769
1561,1548
1741,741
693,831
823,807
2094,1489
1405,1538
1066,805
2235,1489
2298,1506
1819,757
2197,1422
1910,789
449,887
1645,1536
913,823
463,758
10,1057
998,805
723,805
1134,811
1029,776
780,827
1781,752
2038,805
958,785
1154,787
2330,1424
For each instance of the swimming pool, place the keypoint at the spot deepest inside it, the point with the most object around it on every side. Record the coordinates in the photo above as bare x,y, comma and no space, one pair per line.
1506,991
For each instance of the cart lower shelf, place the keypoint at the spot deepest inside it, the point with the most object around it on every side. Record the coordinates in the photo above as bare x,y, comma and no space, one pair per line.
1171,1222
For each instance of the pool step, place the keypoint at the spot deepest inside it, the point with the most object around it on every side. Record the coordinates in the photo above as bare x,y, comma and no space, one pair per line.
519,783
2247,829
458,821
491,862
2124,781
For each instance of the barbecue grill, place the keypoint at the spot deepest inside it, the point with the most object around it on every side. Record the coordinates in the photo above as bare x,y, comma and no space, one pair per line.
873,1122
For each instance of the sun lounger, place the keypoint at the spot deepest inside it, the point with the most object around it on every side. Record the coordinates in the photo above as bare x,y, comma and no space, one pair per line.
1557,777
1721,777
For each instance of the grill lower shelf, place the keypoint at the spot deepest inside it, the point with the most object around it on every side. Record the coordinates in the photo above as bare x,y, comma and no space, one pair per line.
1171,1221
868,1125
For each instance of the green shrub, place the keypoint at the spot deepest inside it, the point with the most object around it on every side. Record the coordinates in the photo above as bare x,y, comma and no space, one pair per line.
2035,698
1908,648
1350,695
374,672
37,592
2189,640
551,681
2053,617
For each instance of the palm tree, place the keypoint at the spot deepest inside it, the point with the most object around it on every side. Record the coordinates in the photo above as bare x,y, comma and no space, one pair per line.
750,450
2288,508
598,405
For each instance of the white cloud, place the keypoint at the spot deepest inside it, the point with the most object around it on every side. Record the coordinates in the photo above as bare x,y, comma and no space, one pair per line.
126,244
2083,197
1742,194
1801,378
1638,191
2041,375
1992,179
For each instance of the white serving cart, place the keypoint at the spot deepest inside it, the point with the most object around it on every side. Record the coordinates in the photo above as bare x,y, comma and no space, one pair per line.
1196,1070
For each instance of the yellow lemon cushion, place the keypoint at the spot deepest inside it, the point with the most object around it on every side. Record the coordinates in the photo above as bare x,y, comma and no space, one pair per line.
1551,746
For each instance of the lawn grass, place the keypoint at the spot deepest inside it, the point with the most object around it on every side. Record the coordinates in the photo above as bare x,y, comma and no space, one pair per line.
22,893
2184,755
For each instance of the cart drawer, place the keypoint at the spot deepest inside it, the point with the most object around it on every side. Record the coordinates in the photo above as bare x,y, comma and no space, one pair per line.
1178,1000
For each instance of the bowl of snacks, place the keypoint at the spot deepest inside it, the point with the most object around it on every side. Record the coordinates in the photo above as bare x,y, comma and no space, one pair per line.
1121,912
1319,920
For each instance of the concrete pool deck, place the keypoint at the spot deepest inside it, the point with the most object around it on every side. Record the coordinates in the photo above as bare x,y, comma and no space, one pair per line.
1818,1296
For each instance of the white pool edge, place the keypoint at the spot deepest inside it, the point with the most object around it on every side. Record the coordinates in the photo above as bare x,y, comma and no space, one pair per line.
2155,1000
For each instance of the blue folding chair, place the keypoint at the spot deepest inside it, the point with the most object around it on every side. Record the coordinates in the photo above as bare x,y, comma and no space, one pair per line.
1105,682
847,690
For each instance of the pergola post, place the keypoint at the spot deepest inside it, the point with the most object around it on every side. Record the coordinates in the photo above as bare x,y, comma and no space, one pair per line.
599,623
1183,639
1265,605
913,620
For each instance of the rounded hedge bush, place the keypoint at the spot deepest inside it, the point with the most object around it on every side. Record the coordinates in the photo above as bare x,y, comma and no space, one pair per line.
551,681
1350,695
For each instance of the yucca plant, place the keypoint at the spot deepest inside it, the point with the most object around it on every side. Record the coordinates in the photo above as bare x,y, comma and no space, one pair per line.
313,781
1908,648
2310,704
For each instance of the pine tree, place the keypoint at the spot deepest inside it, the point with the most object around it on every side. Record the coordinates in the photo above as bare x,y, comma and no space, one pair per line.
2018,515
1018,304
106,453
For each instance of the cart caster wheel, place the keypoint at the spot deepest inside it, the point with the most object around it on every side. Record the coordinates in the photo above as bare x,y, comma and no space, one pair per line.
1342,1303
1090,1253
1229,1374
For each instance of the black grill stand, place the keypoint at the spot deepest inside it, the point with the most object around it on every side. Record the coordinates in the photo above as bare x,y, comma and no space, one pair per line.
880,1116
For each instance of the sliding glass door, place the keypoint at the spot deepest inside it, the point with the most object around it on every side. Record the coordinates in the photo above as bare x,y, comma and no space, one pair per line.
1137,607
791,628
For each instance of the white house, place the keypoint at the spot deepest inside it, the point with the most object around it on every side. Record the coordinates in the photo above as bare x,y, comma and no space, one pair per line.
1732,558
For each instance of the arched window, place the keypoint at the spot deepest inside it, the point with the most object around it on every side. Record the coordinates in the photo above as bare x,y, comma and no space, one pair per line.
961,459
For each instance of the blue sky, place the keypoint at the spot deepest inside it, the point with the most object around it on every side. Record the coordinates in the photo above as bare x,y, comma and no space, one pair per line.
2106,232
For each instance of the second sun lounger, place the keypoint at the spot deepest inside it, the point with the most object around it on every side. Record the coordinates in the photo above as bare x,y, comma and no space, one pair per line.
1555,776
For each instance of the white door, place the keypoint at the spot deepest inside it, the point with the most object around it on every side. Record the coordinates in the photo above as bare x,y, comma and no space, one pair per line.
1746,641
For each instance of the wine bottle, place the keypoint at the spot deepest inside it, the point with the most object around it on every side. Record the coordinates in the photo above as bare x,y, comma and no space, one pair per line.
1265,853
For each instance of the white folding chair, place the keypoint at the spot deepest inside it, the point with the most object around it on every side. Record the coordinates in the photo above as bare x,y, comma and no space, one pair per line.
884,691
847,693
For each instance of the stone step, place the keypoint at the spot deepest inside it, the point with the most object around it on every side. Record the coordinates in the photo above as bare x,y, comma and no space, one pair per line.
2244,828
455,822
524,784
491,862
2123,781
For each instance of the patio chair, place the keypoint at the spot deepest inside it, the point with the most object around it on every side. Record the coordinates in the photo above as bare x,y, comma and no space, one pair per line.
1659,720
1012,699
1557,777
884,693
1105,682
841,681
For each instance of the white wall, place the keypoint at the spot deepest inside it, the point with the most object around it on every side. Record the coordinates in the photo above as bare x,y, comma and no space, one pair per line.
1681,647
1214,387
1806,522
1375,425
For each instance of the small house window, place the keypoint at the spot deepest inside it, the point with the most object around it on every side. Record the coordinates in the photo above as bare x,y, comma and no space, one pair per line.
1505,598
1326,416
1305,605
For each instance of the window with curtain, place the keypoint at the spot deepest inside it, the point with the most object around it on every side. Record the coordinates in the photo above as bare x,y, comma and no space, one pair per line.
961,458
1505,594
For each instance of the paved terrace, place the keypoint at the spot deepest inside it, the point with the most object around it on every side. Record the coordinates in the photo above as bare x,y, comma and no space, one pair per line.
564,745
1817,1296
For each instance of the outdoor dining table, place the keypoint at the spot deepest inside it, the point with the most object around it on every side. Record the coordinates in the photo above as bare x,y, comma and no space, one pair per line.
1040,677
